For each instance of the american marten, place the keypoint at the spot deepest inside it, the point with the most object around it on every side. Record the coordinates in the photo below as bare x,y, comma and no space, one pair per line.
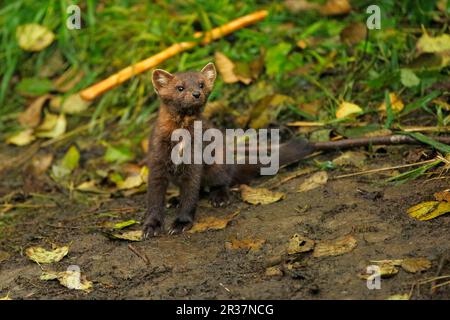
183,96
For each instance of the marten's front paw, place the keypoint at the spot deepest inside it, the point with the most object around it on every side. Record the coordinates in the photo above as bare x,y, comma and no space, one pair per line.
180,225
219,198
152,227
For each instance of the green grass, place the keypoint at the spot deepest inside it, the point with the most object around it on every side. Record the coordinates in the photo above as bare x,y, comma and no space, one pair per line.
118,33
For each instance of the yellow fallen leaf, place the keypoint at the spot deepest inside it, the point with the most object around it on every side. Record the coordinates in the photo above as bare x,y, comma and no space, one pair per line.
273,272
135,235
251,244
71,279
299,244
6,297
335,8
433,44
225,67
53,126
4,256
386,270
350,158
428,210
335,247
212,223
22,138
411,265
41,255
259,195
316,180
130,182
347,109
414,265
41,162
74,104
398,297
34,37
91,186
396,104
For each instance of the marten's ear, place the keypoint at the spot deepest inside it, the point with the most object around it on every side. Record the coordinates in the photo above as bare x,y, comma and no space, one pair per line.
160,78
210,72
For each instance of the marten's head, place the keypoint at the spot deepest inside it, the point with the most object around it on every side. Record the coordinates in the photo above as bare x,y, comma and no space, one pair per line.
185,92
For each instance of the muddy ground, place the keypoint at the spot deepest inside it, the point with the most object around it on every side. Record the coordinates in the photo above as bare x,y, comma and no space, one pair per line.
198,266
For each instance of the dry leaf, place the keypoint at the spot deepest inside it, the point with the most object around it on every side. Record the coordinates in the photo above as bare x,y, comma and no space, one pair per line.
274,272
354,33
386,270
428,210
22,138
6,297
225,67
433,44
296,6
4,256
411,265
41,255
135,235
91,186
302,44
52,127
212,223
414,265
396,104
251,244
346,109
130,182
144,145
71,279
335,247
31,117
259,195
299,244
41,162
316,180
443,195
74,104
335,8
34,37
134,181
398,297
351,158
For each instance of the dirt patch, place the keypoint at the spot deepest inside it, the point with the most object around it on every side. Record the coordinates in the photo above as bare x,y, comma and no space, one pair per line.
198,266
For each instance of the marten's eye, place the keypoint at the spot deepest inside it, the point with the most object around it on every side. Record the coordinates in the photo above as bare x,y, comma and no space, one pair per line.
180,88
201,85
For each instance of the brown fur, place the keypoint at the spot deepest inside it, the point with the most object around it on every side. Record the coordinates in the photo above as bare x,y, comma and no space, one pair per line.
179,109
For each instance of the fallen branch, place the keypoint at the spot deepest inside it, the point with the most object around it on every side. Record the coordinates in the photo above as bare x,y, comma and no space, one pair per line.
362,142
123,75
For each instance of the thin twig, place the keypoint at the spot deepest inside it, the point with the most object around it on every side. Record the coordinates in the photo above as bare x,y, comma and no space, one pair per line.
139,254
383,169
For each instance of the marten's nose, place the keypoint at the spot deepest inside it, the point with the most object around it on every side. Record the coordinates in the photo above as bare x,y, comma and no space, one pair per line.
196,94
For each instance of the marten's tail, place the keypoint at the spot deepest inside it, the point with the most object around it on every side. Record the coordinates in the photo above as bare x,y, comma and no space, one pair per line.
289,152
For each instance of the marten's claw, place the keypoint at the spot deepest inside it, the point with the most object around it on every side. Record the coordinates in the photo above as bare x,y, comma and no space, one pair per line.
219,199
179,226
152,228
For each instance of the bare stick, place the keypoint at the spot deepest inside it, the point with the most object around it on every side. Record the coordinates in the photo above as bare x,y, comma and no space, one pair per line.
139,254
123,75
362,142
